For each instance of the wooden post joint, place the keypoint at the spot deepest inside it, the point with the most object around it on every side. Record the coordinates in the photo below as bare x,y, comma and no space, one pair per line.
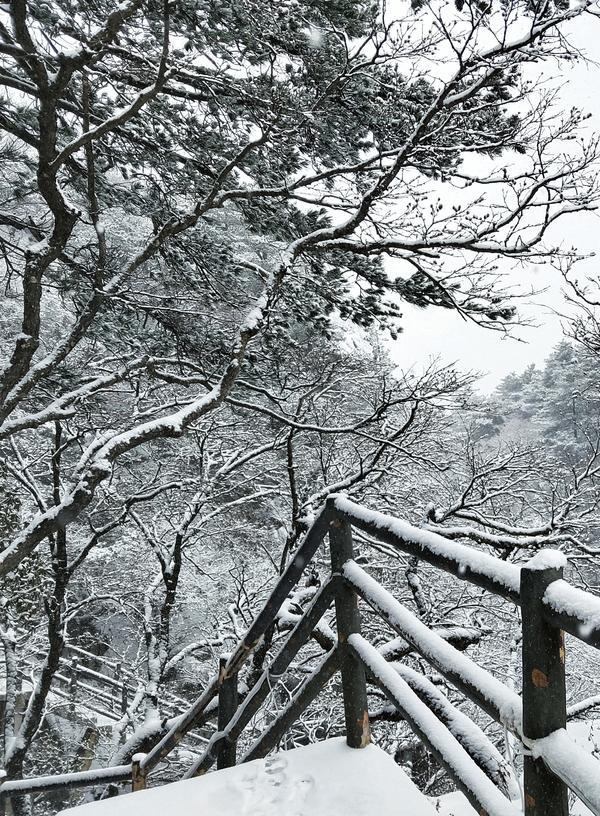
138,773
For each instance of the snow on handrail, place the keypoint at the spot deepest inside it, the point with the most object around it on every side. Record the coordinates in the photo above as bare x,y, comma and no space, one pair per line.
478,684
578,769
567,760
248,643
39,784
574,610
262,688
181,726
473,739
468,775
566,607
293,571
463,561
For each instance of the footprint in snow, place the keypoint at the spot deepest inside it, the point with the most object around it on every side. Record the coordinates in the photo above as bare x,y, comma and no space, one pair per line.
265,789
270,791
302,788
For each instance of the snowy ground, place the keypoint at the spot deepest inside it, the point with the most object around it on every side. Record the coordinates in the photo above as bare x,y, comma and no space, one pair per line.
325,779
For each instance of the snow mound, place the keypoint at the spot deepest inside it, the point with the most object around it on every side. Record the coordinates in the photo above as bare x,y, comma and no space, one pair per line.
324,779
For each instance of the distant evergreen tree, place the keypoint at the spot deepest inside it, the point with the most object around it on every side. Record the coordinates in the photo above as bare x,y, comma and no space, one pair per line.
560,402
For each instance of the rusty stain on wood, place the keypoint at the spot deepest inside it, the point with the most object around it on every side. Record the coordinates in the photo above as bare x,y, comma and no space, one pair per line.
365,727
529,800
561,648
539,679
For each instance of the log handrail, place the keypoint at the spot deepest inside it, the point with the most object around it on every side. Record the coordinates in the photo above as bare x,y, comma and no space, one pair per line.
486,571
550,607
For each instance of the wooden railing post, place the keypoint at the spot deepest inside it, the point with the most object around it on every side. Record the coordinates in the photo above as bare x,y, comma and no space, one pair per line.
544,692
138,774
354,683
228,703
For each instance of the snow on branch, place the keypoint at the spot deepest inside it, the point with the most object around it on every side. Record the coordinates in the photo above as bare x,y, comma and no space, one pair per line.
583,705
100,464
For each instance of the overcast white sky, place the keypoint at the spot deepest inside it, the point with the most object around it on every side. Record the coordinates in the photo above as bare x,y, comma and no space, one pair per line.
443,334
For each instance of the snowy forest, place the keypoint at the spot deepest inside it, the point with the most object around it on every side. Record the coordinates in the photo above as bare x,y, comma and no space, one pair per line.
213,215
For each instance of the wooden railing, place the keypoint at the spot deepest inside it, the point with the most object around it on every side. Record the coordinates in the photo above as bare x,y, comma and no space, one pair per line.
549,607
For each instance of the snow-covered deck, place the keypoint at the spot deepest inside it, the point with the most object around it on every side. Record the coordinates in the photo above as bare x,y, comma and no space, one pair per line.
325,779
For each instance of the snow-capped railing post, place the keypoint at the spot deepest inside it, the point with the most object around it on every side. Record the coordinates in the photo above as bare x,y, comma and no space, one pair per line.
354,682
228,703
544,691
138,774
